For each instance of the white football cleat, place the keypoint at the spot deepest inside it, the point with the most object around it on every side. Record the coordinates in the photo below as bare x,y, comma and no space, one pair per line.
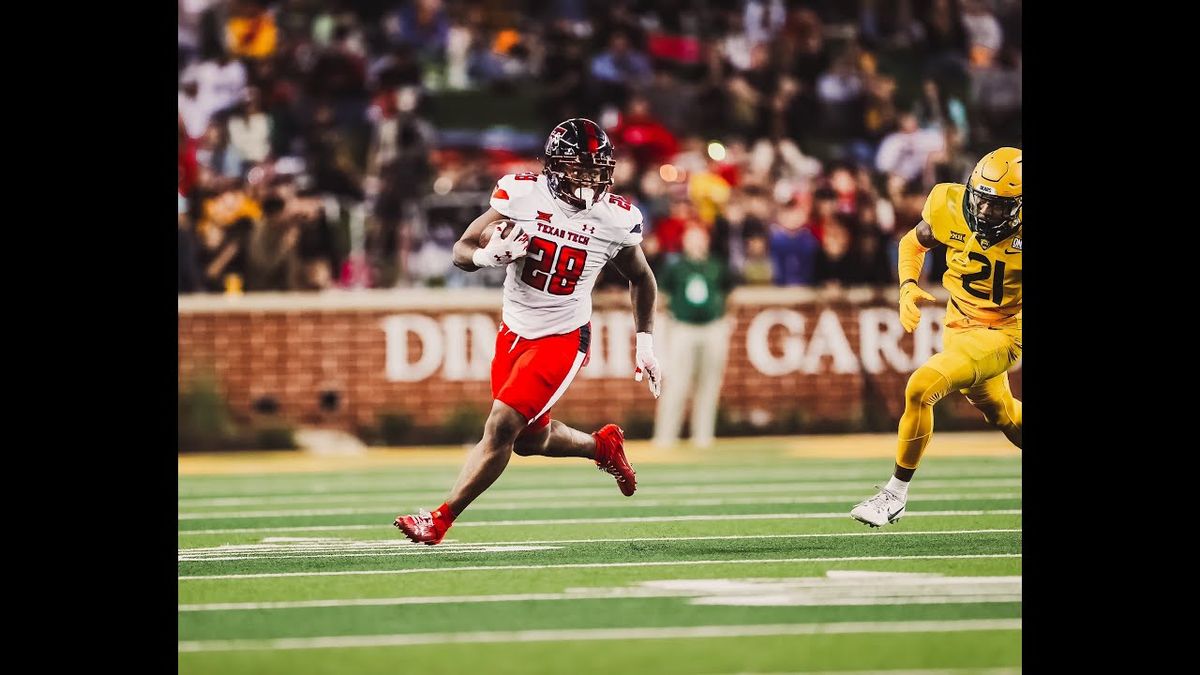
884,508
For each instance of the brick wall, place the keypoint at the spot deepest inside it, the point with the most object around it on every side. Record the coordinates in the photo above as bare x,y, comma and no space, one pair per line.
835,359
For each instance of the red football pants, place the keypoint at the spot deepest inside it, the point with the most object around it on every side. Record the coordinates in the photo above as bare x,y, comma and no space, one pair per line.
531,375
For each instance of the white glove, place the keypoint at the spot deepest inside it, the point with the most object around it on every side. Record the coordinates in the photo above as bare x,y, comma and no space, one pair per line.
501,250
648,363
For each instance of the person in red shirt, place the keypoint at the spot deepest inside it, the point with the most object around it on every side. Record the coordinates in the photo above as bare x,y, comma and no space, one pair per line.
189,168
825,206
668,231
640,134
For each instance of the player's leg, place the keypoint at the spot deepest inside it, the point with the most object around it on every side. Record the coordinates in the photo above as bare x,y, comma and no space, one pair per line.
714,349
487,460
681,361
943,373
484,464
552,438
556,440
995,400
537,385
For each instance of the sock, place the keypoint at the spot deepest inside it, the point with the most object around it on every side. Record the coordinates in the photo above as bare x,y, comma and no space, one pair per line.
601,450
897,487
444,514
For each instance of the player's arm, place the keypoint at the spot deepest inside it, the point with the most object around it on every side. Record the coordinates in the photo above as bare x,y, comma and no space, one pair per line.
631,262
643,291
913,247
468,254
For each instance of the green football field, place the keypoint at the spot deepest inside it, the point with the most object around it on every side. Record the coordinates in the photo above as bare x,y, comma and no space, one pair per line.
741,559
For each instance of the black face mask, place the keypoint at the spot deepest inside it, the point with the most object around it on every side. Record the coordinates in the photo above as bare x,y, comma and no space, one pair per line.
990,217
570,181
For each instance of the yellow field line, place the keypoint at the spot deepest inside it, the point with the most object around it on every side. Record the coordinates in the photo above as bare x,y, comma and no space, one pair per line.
845,446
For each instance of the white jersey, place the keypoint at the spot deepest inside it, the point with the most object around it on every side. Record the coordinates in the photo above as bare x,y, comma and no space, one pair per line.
549,291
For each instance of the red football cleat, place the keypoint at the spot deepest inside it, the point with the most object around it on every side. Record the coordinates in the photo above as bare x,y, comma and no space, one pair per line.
424,527
610,457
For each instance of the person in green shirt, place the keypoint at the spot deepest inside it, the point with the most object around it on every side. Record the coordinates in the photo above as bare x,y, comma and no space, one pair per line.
697,340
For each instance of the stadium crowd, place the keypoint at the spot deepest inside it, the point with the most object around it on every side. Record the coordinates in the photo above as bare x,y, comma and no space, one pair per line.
316,149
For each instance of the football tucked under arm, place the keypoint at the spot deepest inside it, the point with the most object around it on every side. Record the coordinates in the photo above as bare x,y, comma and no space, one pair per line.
480,236
505,244
486,235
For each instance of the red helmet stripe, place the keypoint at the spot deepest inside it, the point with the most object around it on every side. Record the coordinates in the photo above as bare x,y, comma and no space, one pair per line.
592,141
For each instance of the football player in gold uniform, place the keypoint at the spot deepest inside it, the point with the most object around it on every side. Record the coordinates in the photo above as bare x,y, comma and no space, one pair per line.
980,225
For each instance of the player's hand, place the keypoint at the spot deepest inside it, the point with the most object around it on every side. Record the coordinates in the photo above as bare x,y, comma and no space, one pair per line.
648,363
501,250
910,315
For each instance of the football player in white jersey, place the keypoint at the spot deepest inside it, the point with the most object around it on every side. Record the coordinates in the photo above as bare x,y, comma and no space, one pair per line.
567,227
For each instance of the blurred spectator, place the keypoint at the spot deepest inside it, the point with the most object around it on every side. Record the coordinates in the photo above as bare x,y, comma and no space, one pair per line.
872,265
194,112
763,19
668,231
752,94
906,152
825,207
951,164
793,246
339,71
563,72
835,264
220,82
431,263
423,24
216,154
642,137
933,110
709,192
757,270
803,40
190,279
698,341
272,262
945,42
250,129
398,68
316,248
400,167
618,68
228,219
840,91
881,114
250,31
984,35
996,95
727,116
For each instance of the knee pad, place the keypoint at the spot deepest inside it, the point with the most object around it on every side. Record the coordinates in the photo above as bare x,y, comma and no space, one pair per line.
926,386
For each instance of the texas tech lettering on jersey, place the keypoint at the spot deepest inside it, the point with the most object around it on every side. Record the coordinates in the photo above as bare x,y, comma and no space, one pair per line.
549,291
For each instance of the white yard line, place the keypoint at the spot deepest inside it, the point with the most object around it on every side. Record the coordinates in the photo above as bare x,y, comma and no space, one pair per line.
256,487
486,505
598,490
643,503
367,548
654,563
611,595
578,521
662,633
809,591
